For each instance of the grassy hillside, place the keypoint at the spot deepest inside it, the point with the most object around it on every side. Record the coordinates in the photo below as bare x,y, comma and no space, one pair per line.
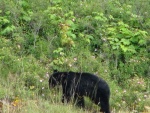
109,38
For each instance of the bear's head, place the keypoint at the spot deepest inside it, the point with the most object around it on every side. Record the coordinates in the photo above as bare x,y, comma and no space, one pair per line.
55,79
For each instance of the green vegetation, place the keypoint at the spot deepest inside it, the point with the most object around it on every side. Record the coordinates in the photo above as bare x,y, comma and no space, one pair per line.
110,38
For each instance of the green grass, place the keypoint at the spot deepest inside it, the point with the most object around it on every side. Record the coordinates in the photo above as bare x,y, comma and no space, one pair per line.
37,106
17,99
44,106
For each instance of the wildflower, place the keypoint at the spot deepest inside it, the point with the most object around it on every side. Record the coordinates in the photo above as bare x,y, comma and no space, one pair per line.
18,46
66,60
70,65
95,49
75,59
61,53
16,101
105,71
124,91
32,87
123,102
139,99
46,75
41,80
42,87
104,39
43,95
145,96
119,105
139,82
93,57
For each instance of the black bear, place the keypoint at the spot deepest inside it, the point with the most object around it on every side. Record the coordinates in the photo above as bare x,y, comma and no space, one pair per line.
77,85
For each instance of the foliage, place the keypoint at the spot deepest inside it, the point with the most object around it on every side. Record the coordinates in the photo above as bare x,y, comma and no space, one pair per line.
126,39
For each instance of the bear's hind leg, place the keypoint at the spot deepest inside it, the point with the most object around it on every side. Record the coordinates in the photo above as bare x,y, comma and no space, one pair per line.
104,103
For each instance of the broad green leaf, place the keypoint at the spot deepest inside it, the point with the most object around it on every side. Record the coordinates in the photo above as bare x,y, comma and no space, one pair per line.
115,47
5,21
131,48
26,18
144,33
116,39
89,37
58,50
125,41
73,36
7,12
134,39
126,31
69,22
8,30
124,48
122,24
70,34
142,42
87,40
111,17
112,42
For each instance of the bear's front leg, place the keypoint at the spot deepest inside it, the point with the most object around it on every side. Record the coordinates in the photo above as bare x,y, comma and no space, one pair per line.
66,94
63,99
66,98
79,100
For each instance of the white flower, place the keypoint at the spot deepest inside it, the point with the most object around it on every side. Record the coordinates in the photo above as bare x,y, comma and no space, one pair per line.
70,65
95,49
47,75
139,99
41,80
75,59
145,96
124,91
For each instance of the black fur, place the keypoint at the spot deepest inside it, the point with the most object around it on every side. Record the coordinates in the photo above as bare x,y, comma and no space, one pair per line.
77,85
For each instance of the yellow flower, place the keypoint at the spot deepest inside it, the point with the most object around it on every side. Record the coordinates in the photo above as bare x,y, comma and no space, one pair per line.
32,87
16,101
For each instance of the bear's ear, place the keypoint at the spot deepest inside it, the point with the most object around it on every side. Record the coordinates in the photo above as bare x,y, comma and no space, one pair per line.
55,70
